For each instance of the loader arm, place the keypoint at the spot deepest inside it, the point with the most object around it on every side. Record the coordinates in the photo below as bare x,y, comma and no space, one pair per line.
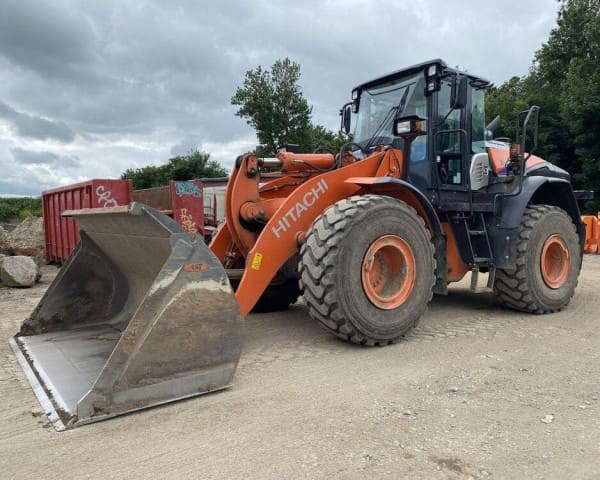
280,238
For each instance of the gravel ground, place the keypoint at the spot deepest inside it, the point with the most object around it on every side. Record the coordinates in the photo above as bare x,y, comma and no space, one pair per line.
474,392
3,239
28,233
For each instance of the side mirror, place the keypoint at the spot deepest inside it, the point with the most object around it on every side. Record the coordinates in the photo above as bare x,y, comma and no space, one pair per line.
458,93
346,114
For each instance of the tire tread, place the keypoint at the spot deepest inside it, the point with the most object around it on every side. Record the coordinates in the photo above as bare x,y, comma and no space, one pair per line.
512,286
317,265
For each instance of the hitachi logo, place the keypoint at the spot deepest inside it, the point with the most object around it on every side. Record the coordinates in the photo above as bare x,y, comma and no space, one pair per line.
294,213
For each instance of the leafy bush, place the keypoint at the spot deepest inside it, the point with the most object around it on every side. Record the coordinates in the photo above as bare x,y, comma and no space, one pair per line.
14,209
25,213
183,167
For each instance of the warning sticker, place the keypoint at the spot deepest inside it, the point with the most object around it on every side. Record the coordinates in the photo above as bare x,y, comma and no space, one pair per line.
256,261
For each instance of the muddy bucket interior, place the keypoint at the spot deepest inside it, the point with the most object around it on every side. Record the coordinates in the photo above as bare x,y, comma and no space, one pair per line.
141,314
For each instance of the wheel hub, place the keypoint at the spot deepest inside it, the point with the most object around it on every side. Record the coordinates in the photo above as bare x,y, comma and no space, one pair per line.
388,272
555,261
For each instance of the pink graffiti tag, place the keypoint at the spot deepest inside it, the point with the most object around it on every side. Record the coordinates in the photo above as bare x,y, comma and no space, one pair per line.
187,221
105,197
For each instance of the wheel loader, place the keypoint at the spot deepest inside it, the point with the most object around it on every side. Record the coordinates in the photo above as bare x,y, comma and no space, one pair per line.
145,313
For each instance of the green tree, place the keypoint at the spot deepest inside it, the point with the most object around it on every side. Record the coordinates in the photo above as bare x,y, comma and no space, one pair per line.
507,100
146,177
321,138
579,28
272,102
565,82
15,209
548,82
195,164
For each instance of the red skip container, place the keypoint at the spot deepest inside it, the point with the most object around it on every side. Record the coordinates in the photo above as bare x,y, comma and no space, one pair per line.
61,233
181,200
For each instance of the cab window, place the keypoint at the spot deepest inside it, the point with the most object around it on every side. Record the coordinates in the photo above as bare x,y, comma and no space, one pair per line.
478,121
448,120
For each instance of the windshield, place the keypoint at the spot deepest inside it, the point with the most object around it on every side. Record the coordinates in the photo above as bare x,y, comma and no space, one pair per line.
378,108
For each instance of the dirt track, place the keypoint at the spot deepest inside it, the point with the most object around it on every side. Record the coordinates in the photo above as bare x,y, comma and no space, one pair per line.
464,396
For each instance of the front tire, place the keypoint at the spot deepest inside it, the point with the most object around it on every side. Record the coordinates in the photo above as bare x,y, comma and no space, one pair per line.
367,269
548,262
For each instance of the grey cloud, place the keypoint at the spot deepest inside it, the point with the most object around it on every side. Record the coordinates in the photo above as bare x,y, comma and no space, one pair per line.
36,127
138,66
10,188
165,71
29,157
185,145
48,38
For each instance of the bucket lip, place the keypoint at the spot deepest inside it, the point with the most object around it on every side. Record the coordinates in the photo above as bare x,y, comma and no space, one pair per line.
51,412
99,211
133,208
37,387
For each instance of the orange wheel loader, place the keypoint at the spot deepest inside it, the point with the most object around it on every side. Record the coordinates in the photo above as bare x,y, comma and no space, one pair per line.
144,313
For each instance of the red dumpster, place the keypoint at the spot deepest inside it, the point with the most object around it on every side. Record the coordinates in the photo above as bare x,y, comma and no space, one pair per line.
181,200
61,234
187,204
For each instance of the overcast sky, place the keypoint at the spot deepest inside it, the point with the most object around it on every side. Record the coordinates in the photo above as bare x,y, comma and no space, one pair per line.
89,88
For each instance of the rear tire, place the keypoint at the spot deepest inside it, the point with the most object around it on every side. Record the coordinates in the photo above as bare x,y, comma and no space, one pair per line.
278,297
547,263
367,269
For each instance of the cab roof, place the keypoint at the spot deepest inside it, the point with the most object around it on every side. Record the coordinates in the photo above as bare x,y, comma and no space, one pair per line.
475,81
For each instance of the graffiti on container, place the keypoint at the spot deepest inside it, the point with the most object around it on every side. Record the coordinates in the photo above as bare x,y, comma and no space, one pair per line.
187,221
187,188
105,197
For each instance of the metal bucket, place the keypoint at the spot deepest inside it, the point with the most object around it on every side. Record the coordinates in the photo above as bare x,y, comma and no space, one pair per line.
141,314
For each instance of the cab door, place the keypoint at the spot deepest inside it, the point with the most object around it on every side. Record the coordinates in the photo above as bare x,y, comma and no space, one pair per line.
451,142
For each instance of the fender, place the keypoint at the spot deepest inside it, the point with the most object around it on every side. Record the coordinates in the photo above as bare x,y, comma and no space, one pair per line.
539,190
536,190
401,189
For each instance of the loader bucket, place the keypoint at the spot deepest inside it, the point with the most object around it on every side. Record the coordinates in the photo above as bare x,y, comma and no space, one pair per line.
141,314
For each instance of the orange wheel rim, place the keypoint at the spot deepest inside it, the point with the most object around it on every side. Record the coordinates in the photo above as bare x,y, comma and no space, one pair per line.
555,261
388,272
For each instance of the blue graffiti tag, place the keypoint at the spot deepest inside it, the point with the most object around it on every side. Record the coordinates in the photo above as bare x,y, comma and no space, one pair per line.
187,188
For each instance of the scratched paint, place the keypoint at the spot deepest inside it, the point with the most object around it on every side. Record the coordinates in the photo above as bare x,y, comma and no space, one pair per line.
211,285
166,281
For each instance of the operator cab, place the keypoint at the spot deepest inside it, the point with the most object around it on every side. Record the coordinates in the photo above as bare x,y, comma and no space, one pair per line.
450,109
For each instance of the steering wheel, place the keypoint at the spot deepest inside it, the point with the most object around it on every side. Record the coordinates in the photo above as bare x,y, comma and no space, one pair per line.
345,146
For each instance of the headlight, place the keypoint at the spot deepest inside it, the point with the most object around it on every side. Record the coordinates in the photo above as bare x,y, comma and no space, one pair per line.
412,125
403,127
